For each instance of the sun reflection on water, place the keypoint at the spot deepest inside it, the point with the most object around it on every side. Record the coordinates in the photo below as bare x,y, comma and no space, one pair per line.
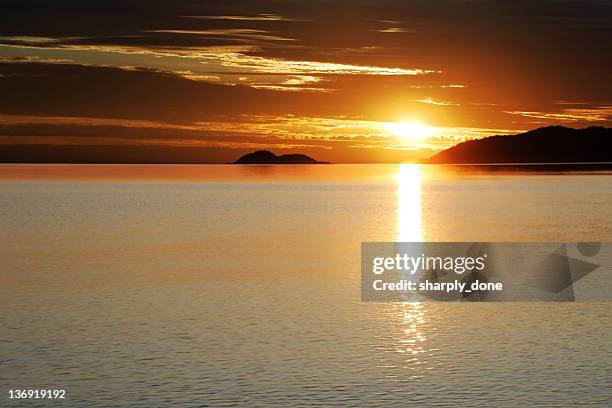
409,317
409,223
412,317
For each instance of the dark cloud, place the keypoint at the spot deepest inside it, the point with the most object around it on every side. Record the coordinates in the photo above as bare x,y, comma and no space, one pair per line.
105,92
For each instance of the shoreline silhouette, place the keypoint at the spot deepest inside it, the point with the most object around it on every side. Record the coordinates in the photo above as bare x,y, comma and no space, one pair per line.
546,145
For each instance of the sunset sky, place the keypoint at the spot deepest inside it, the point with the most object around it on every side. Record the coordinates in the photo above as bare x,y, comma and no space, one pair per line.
344,81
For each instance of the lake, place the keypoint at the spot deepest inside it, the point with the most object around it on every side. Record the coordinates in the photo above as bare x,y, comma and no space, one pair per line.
221,285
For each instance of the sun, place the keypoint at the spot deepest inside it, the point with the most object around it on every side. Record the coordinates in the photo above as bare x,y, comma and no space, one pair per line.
410,131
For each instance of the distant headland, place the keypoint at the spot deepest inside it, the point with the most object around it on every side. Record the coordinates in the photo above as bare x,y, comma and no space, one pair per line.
267,157
553,144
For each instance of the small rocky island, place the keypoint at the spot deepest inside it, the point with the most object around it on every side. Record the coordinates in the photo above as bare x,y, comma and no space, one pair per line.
553,144
267,157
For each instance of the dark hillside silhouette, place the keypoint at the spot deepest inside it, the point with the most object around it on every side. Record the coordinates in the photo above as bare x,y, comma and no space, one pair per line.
554,144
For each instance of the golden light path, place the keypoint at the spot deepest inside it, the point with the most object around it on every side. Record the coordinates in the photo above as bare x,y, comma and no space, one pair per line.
410,337
410,316
409,214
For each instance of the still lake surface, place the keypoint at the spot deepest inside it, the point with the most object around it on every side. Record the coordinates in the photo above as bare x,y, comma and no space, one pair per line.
239,285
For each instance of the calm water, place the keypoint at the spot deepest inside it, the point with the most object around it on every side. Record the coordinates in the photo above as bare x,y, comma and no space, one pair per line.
224,285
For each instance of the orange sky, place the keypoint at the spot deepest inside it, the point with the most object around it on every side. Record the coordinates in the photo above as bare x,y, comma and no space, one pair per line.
355,81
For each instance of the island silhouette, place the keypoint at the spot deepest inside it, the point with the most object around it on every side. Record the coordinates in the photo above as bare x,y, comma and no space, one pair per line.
267,157
552,144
